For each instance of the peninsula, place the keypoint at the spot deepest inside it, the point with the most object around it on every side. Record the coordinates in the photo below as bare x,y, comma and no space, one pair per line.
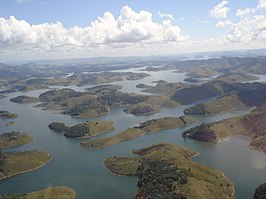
147,127
167,171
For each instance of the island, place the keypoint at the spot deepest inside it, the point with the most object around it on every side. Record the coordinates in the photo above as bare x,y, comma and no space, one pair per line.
23,99
162,87
9,124
84,130
7,115
147,127
14,163
99,100
260,192
252,124
152,105
14,138
167,171
60,192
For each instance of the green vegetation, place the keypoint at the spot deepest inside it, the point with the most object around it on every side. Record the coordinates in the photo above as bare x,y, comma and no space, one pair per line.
15,163
14,138
59,192
23,99
152,105
260,192
58,127
147,127
196,93
162,87
7,115
214,132
85,130
166,170
123,166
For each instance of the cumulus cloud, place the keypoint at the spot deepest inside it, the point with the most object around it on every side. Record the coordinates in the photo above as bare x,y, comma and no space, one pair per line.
261,4
222,24
251,26
244,12
248,30
219,11
166,15
130,28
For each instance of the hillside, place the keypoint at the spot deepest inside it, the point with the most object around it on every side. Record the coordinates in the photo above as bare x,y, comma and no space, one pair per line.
167,171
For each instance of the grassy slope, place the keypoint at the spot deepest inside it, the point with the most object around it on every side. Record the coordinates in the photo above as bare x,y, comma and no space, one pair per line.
21,162
203,182
228,127
132,133
59,192
23,139
100,127
223,104
54,192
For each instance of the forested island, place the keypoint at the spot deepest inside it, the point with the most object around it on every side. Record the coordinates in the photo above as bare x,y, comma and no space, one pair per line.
84,130
167,171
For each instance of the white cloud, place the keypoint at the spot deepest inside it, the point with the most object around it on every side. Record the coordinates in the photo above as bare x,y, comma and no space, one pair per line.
130,28
245,12
222,24
166,15
248,30
219,11
261,4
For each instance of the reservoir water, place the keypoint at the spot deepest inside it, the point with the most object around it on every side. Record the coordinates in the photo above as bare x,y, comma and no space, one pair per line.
83,170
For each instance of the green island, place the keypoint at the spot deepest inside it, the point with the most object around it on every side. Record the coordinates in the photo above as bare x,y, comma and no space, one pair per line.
7,115
152,105
162,87
260,192
252,124
167,171
60,192
14,138
14,163
99,100
147,127
23,99
84,130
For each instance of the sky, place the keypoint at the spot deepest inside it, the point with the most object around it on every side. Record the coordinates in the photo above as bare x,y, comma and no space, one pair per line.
48,29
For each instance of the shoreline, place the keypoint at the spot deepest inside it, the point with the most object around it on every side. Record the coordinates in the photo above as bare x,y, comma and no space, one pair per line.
29,170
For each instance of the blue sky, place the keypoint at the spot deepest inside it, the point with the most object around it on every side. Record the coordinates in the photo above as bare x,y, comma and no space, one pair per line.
192,17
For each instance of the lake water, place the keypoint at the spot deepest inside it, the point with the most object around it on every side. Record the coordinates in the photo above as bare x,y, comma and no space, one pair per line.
83,170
